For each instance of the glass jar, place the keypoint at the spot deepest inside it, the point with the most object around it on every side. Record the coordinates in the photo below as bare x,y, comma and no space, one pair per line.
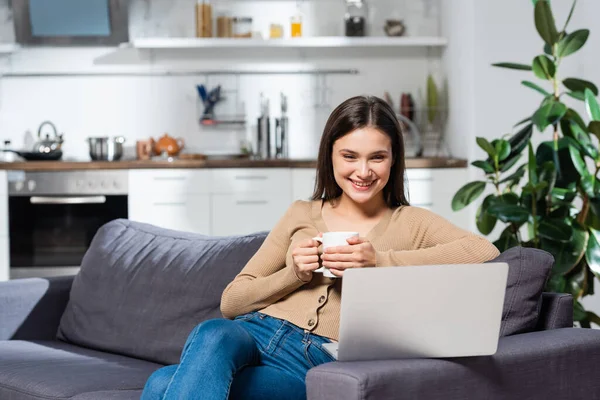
242,27
355,19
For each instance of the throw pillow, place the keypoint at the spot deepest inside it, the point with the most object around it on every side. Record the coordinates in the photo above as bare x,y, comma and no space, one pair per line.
528,271
142,289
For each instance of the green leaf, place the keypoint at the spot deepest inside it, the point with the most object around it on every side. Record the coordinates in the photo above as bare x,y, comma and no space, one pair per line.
467,194
484,165
576,95
532,166
573,116
594,128
509,164
593,317
556,284
522,67
509,213
544,22
579,313
567,255
536,88
549,114
572,42
516,176
486,222
506,241
591,105
544,67
486,146
592,252
502,148
578,161
579,85
555,229
522,121
570,15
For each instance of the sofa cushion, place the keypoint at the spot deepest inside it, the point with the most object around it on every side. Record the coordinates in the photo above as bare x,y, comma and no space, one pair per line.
57,370
110,395
142,289
528,271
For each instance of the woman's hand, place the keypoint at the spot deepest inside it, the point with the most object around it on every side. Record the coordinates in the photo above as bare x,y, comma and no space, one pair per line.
306,259
358,254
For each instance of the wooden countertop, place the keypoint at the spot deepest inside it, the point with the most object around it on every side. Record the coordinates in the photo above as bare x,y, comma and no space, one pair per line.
216,163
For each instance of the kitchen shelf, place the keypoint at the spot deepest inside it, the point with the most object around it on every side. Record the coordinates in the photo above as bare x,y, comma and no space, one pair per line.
8,48
294,43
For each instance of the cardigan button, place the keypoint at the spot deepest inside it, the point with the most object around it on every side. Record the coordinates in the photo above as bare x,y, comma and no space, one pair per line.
311,322
321,299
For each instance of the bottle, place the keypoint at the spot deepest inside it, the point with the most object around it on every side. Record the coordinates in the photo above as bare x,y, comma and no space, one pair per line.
355,18
8,156
204,19
296,26
263,134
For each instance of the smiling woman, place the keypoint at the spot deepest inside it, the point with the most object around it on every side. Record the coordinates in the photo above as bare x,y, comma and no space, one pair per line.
282,308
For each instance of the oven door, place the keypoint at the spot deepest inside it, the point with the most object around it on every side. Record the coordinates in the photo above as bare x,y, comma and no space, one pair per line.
54,232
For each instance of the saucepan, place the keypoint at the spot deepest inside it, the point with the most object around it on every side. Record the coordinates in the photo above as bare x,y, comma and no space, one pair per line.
105,148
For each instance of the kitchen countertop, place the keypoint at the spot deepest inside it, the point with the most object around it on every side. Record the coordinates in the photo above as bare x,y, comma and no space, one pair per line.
216,163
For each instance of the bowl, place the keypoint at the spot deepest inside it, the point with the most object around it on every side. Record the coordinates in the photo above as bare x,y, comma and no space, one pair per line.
105,148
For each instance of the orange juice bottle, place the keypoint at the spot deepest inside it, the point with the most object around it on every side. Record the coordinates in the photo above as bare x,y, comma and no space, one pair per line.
296,28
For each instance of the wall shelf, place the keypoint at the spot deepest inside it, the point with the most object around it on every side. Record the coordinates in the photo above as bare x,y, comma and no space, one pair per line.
8,48
294,43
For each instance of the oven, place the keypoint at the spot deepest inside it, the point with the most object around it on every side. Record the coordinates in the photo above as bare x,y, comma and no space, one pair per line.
53,217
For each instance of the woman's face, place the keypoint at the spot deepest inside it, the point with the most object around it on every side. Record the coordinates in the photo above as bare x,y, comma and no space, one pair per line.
362,160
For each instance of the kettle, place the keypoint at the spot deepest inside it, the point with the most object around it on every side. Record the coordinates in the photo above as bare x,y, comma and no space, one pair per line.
167,144
48,144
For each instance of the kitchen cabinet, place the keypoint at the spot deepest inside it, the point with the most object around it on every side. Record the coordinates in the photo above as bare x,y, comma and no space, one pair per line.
303,183
238,214
171,198
220,201
183,212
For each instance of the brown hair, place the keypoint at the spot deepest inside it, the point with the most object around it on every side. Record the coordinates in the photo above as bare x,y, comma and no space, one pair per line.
356,113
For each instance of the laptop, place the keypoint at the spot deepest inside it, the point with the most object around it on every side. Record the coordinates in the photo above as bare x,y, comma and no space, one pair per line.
428,311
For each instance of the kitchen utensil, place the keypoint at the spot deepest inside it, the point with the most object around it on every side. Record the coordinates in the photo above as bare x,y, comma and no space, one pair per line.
144,149
394,27
46,148
106,149
263,134
36,156
167,144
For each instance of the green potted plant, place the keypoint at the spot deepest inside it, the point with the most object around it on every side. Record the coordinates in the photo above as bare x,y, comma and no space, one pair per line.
548,197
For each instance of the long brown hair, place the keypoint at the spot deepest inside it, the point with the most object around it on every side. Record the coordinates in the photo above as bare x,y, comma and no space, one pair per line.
357,113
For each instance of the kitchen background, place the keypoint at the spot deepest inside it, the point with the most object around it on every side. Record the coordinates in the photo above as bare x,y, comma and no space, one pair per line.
138,107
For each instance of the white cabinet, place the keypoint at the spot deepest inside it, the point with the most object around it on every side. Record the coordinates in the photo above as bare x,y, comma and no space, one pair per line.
238,214
303,183
171,198
246,200
251,180
183,212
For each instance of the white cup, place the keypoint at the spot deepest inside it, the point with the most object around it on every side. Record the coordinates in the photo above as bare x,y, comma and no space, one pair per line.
332,239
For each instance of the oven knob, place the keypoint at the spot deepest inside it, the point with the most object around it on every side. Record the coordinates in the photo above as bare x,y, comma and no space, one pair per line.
18,186
116,184
79,184
31,185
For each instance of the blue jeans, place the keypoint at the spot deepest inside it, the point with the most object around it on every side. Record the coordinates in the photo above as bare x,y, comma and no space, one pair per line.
254,356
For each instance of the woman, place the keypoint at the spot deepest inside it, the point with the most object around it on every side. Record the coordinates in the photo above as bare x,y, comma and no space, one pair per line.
282,311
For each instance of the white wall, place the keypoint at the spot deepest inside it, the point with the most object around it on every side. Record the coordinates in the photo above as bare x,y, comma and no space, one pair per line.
140,107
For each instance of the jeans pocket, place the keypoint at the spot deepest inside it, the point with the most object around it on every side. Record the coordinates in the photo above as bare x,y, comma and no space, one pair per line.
316,355
246,317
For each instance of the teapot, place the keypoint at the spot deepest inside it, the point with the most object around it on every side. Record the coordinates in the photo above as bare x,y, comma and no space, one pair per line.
172,146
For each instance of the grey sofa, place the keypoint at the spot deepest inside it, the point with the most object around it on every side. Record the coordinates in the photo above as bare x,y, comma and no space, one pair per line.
141,289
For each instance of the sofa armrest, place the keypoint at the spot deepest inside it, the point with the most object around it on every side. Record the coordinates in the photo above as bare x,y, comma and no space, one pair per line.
30,309
555,364
556,311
